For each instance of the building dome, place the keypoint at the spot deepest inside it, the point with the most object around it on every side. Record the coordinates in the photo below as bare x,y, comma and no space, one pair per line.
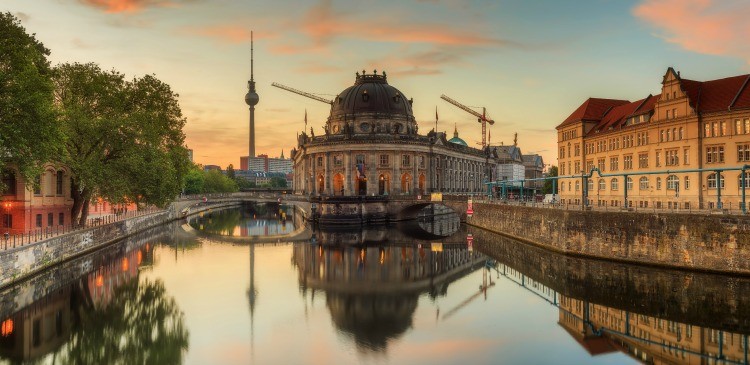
457,140
370,106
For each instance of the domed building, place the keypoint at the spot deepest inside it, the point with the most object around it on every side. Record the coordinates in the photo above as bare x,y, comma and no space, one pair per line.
370,145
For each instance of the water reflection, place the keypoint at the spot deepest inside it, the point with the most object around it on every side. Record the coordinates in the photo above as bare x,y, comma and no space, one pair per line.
106,316
372,291
247,221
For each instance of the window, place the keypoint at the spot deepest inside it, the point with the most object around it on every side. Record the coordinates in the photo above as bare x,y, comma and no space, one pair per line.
658,158
712,183
642,160
601,164
405,160
50,221
578,167
673,182
714,129
578,149
714,154
738,126
680,135
707,130
687,182
629,183
658,183
723,131
9,180
7,221
360,159
61,219
421,161
743,152
578,185
627,162
562,152
668,112
384,160
590,185
669,135
674,113
59,183
602,184
320,161
643,183
39,221
38,185
614,163
672,157
747,181
338,160
686,156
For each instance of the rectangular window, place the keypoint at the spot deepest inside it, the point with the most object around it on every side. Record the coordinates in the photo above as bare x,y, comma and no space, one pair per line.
405,160
38,185
39,221
658,158
578,167
747,126
338,160
667,113
643,160
589,165
9,180
320,161
723,131
421,162
61,219
686,156
738,126
674,113
714,129
687,182
59,183
672,157
614,164
707,130
578,149
384,160
50,220
601,163
658,183
360,159
627,162
7,221
743,152
715,154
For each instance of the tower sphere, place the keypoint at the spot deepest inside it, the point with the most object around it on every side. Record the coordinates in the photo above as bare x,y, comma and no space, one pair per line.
251,98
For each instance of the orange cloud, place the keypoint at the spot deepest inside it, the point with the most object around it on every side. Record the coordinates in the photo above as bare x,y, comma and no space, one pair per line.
703,26
130,6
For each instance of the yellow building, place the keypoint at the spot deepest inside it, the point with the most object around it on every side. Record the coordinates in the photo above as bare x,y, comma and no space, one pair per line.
690,125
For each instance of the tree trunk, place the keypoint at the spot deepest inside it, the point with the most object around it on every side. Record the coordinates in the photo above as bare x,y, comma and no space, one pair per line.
75,211
85,211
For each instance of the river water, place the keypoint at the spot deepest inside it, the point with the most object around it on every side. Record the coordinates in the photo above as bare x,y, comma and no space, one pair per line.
250,286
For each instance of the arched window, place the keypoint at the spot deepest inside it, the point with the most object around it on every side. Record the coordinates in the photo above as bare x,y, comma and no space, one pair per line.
59,183
673,182
602,184
712,183
629,182
643,183
614,184
9,182
590,185
680,133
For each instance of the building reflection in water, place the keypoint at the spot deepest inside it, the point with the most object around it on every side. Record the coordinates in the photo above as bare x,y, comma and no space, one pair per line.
86,320
250,220
600,329
372,290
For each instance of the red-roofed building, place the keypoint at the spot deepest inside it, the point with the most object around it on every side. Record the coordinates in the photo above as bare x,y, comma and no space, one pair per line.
688,125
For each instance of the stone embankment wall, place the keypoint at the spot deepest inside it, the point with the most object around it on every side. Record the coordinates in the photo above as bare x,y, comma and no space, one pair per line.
21,262
718,243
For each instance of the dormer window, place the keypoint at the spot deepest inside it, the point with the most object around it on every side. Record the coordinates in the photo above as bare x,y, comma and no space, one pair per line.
365,96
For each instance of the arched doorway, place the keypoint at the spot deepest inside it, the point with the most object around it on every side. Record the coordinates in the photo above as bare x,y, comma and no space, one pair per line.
421,183
384,184
338,184
406,183
321,184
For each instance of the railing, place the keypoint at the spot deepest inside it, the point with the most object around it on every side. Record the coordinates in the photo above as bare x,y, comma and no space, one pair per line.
9,241
586,198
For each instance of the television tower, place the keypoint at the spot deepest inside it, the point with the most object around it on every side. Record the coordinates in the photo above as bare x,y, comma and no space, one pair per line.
251,98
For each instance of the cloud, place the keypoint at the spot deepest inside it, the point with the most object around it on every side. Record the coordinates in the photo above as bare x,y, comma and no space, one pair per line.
22,16
703,26
227,33
131,6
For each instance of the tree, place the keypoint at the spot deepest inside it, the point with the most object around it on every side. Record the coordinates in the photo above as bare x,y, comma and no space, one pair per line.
244,183
547,189
230,171
29,136
216,182
194,181
123,139
278,182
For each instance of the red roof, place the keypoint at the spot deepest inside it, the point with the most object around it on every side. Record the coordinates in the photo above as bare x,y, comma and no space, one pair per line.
718,95
615,118
592,109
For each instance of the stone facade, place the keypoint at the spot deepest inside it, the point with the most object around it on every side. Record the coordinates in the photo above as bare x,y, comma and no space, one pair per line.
716,243
371,146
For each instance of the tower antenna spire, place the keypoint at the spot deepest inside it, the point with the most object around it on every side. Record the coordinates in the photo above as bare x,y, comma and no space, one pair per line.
251,99
251,56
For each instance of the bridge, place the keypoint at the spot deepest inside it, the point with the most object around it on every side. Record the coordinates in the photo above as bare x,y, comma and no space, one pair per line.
328,209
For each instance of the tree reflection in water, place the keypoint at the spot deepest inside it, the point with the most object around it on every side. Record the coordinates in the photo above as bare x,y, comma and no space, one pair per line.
140,325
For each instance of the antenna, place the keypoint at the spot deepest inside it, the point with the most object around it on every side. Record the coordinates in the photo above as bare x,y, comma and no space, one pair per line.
251,55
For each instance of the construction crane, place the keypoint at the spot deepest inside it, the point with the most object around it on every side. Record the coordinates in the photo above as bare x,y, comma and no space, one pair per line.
300,92
486,284
481,118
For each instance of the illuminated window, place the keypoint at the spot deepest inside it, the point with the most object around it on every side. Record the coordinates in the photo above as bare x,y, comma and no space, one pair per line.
712,183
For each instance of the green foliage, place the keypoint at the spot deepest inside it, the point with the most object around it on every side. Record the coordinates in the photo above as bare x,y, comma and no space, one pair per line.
123,139
140,325
29,136
244,183
547,189
278,182
194,181
216,182
230,171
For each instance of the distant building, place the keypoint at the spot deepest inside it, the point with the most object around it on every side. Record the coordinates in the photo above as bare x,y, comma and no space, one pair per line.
211,167
27,207
263,163
534,169
509,165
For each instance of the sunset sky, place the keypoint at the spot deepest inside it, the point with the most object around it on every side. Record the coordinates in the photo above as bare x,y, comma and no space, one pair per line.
531,63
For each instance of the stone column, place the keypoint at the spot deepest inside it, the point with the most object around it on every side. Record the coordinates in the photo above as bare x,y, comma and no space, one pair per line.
348,173
327,174
396,175
371,163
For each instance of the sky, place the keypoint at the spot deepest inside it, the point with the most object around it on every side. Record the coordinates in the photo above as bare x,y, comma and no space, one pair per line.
529,63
